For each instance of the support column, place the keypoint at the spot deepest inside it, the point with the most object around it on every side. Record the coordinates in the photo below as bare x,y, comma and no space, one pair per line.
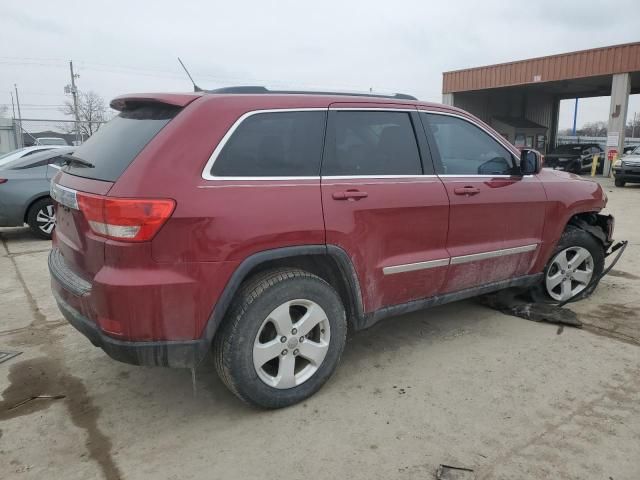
620,89
553,128
447,99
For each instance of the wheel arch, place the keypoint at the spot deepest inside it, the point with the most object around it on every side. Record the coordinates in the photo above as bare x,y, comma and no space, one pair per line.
31,202
329,262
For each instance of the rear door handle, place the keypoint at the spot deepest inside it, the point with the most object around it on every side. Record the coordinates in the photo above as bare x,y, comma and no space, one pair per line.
468,190
349,194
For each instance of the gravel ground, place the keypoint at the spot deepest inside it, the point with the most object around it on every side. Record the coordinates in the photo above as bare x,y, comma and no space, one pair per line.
459,385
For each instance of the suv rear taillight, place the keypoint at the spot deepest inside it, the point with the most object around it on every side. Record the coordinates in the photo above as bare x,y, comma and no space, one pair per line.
125,219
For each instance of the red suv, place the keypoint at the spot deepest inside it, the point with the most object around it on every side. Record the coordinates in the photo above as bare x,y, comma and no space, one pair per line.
264,225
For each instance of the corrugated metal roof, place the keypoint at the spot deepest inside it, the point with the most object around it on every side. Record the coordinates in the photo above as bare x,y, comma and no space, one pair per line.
564,66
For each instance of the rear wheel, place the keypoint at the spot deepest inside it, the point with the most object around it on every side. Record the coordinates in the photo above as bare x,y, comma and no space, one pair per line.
41,218
575,264
282,338
619,183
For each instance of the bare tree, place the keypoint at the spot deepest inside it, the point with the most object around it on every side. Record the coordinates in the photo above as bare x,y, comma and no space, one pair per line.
92,113
593,129
3,111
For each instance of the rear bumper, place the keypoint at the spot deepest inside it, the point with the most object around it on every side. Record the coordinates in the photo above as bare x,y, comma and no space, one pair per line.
176,354
77,299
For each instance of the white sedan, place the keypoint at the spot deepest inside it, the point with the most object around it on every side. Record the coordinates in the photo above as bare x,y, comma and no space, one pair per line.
23,152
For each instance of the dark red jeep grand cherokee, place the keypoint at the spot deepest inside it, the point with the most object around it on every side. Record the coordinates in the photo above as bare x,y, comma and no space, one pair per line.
264,225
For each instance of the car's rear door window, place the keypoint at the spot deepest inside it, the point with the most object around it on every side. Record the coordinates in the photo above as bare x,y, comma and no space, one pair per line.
371,143
114,146
273,144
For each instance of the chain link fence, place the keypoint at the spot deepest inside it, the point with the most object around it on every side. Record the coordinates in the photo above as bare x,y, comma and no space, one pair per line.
27,132
39,131
564,139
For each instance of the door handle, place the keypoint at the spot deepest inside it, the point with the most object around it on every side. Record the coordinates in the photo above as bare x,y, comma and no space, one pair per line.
349,195
468,190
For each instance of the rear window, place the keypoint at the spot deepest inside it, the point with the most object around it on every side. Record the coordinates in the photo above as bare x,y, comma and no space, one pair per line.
112,148
274,144
371,143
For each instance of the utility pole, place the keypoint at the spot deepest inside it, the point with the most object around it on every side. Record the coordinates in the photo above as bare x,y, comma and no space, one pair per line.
74,93
575,117
20,138
15,132
633,125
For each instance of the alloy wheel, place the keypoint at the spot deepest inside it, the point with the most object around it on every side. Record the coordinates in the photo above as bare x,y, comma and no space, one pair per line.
569,273
291,344
46,219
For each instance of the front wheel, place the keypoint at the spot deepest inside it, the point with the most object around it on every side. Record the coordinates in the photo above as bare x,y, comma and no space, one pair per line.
576,263
282,338
619,183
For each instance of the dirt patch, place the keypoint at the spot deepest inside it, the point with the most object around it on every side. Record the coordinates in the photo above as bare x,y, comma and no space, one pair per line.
614,320
33,386
621,274
36,383
611,311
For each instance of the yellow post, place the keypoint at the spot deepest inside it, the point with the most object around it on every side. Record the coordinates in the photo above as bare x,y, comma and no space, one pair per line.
613,160
594,165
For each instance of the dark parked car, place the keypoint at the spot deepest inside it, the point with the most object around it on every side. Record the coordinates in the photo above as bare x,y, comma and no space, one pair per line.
627,169
575,157
24,191
264,225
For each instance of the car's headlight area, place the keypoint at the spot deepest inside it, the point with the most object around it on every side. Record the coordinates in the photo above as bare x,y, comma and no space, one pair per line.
617,163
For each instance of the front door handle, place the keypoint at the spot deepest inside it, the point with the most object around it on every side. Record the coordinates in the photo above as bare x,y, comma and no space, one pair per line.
468,190
349,195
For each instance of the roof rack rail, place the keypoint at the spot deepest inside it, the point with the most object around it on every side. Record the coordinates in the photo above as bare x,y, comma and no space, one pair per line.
263,90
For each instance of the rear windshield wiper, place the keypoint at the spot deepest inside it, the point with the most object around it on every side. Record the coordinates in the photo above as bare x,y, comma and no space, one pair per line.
72,160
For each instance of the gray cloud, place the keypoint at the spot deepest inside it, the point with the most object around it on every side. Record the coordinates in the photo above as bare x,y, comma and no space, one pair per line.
389,46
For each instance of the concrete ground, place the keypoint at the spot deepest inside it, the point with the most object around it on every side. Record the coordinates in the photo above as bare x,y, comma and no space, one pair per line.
460,385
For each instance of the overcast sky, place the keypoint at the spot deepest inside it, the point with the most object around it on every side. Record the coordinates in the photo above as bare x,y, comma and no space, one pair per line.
400,46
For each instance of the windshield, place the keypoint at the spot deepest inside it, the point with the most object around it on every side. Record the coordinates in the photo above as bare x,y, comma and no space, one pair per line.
636,151
112,148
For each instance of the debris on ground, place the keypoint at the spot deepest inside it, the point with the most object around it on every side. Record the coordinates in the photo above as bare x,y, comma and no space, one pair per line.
4,356
448,472
509,302
37,397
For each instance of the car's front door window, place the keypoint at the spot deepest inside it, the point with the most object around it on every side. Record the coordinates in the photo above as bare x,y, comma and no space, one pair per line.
465,149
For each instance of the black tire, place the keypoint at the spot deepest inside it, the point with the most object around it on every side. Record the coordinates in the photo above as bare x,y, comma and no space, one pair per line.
234,342
41,229
572,237
619,183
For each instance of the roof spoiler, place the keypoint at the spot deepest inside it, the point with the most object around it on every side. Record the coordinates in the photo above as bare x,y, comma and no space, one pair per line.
124,102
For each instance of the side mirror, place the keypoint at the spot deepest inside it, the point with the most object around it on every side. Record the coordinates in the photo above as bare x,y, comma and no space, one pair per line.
530,162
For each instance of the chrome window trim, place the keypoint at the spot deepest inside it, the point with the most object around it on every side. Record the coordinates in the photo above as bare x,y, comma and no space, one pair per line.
462,175
206,175
357,177
492,254
371,109
212,158
410,267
